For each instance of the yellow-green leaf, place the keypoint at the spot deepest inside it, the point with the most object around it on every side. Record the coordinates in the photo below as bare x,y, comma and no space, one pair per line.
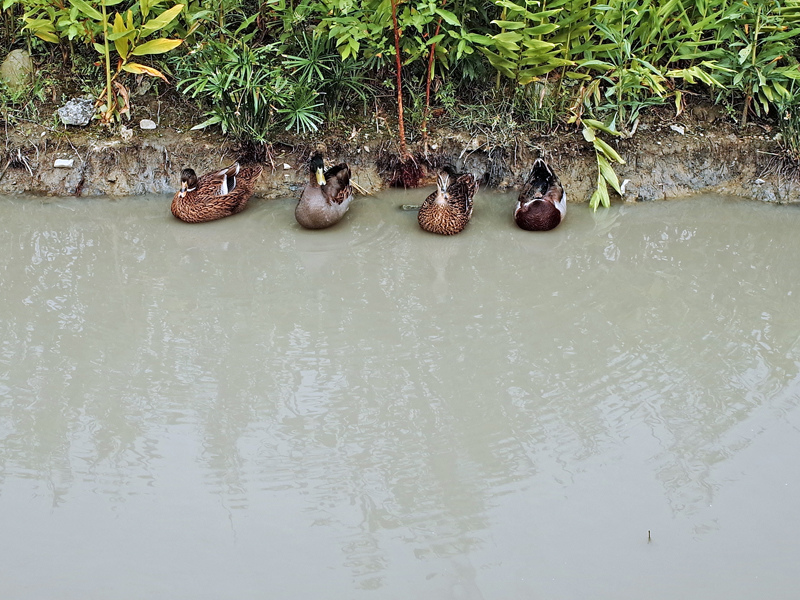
161,20
121,44
601,126
608,150
158,46
100,48
87,10
608,173
47,36
142,69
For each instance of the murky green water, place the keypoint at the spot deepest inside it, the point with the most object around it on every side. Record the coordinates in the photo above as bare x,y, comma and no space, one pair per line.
246,410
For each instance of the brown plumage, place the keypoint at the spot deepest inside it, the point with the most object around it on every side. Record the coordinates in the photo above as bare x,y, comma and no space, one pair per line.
326,197
448,210
542,201
214,195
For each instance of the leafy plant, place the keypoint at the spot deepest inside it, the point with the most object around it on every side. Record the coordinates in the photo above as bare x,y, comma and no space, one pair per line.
604,153
759,60
519,50
124,35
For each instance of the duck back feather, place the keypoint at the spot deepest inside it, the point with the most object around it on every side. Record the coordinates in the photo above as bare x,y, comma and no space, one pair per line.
542,202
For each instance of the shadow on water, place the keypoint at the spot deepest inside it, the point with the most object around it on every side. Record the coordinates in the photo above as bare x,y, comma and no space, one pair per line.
400,410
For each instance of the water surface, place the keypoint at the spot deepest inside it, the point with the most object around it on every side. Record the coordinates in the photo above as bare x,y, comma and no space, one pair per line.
244,409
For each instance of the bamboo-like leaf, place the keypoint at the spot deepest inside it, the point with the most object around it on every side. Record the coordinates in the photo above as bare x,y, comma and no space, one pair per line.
161,20
608,150
87,10
509,25
158,46
608,173
138,69
212,121
121,42
601,126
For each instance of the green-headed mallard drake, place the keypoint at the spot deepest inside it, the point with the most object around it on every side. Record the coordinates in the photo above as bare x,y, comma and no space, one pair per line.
214,195
448,210
326,197
542,201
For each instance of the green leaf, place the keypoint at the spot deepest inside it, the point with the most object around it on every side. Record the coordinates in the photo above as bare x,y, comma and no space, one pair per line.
601,126
510,25
158,46
100,48
608,173
161,20
448,16
600,195
212,121
435,39
120,43
608,150
744,53
87,10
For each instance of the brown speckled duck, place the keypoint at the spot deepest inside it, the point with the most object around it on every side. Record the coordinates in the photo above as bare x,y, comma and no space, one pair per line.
542,201
214,195
326,197
448,210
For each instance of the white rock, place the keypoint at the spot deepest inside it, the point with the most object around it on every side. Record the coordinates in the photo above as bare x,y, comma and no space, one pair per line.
147,124
366,148
78,111
64,163
286,166
760,182
679,128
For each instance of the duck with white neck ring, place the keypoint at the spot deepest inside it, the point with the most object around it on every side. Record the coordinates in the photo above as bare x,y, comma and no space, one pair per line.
214,195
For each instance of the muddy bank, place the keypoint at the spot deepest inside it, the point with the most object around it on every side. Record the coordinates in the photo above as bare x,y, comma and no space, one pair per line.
664,160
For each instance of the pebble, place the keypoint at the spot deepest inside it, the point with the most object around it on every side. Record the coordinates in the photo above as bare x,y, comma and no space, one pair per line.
147,124
679,128
286,166
64,163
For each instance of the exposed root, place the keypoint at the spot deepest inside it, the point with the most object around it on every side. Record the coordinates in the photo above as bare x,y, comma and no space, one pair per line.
399,173
255,152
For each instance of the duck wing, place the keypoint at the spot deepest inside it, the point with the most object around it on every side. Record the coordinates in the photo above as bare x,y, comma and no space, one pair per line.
542,184
337,187
462,190
220,182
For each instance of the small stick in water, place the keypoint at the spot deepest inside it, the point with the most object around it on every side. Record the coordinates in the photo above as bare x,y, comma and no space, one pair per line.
649,539
410,206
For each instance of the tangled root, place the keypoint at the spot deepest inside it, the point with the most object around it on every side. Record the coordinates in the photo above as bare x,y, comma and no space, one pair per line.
401,173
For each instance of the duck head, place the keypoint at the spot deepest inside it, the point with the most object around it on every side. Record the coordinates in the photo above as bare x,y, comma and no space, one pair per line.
442,181
318,169
188,182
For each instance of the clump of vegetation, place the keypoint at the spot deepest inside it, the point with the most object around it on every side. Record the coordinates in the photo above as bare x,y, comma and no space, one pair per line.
495,68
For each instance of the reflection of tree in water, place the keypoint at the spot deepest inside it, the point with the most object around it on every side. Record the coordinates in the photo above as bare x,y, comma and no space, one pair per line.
393,382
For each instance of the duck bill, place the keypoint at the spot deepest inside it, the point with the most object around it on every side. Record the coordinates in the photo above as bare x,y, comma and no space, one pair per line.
320,177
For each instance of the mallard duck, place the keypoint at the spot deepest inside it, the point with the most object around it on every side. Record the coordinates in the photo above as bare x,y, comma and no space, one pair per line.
448,210
326,197
542,201
214,195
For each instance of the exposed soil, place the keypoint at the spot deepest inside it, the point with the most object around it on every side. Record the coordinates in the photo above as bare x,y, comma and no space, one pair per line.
711,155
